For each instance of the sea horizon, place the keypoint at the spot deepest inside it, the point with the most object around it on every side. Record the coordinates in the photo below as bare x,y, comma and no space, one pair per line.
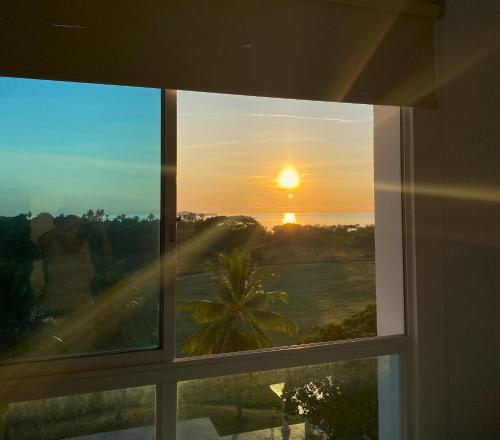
270,220
312,218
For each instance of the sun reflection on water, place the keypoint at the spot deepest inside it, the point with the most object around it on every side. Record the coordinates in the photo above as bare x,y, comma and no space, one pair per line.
289,218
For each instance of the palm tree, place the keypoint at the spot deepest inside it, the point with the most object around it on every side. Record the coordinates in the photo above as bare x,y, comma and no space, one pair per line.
240,317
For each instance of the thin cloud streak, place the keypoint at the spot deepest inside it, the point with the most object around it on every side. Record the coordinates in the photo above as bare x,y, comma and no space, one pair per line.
251,141
309,118
258,177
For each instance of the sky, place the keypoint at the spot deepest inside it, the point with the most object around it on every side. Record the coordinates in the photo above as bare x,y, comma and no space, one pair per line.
231,149
68,147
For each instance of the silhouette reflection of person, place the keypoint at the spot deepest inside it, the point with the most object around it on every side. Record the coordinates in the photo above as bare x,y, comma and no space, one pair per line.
40,225
69,269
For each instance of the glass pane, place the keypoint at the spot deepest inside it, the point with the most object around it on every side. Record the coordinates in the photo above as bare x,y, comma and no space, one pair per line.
79,218
345,400
126,414
275,230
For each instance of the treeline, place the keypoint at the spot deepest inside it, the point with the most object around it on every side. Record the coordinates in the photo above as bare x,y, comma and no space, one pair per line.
122,246
118,246
201,237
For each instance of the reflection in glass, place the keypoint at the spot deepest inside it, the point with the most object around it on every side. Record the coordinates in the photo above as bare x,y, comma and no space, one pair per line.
288,188
118,414
345,400
75,279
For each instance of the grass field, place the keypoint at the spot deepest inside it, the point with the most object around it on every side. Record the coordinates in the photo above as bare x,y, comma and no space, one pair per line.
319,293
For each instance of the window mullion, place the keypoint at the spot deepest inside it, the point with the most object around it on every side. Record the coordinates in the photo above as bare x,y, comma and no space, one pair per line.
166,410
169,214
166,400
271,359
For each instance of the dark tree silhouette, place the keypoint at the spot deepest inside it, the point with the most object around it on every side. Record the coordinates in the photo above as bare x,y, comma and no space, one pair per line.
240,317
362,324
343,405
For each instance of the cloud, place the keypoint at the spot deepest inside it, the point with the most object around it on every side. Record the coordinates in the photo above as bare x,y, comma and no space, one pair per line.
261,177
247,141
309,118
211,144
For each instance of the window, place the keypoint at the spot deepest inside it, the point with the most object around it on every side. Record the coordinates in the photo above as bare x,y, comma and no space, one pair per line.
340,400
280,192
128,411
79,218
189,264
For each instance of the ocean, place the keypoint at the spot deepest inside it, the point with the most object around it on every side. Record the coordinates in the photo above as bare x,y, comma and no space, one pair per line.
314,218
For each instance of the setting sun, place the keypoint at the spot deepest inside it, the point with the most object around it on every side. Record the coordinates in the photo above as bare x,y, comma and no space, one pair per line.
288,178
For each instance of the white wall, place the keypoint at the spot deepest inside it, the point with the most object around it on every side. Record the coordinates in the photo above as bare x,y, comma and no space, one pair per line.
470,129
388,223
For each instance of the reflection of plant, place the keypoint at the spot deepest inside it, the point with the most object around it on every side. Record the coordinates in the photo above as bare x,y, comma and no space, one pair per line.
343,405
96,216
17,254
362,324
238,320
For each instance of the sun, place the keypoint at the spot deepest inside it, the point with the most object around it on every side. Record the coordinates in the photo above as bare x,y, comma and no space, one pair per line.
288,178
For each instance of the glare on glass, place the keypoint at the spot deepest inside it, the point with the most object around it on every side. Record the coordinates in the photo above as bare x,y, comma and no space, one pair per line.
275,226
79,218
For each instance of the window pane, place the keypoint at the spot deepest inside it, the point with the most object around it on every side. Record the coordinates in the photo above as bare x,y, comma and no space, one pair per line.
79,218
274,196
345,400
118,414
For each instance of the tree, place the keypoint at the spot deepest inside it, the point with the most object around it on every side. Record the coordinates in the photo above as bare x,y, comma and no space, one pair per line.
362,324
240,317
238,320
96,216
342,404
17,254
99,215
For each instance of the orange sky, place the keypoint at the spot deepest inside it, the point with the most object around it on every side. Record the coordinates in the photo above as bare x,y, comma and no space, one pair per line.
232,148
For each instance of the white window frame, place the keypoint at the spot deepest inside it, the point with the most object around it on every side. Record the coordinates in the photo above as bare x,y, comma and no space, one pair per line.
83,374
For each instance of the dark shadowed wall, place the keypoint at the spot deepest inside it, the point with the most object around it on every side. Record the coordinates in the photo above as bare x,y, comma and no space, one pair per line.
470,129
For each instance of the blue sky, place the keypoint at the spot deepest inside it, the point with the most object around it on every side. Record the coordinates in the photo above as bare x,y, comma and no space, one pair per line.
69,147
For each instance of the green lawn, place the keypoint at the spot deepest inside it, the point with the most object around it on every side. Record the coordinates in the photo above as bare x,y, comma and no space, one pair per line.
318,294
